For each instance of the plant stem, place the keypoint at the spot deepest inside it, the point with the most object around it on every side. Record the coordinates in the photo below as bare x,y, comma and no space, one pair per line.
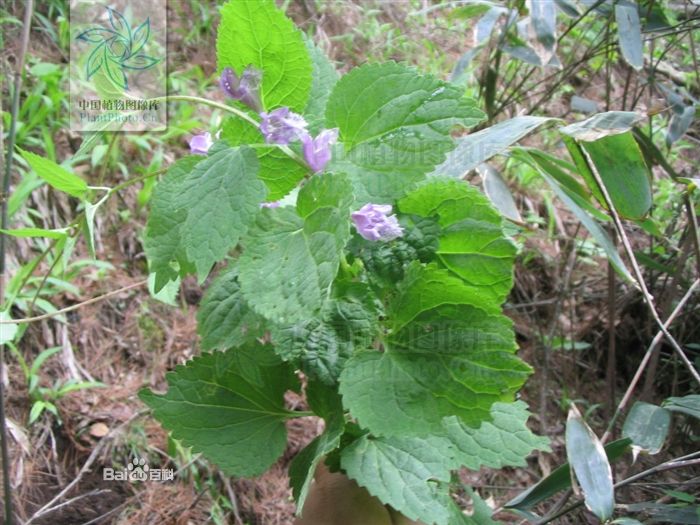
4,197
212,103
645,360
649,299
234,111
99,298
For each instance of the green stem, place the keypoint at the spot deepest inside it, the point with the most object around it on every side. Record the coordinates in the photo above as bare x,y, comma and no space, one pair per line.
234,111
207,102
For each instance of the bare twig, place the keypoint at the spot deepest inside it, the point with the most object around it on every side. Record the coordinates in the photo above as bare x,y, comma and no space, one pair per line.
611,370
682,462
4,197
51,505
645,360
635,267
75,306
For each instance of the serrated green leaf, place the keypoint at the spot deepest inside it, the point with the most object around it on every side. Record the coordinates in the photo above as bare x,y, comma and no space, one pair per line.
224,320
280,173
330,190
590,464
221,196
472,244
324,77
56,176
450,361
321,346
505,441
259,34
229,406
427,287
409,474
647,426
315,346
162,240
395,127
289,261
386,262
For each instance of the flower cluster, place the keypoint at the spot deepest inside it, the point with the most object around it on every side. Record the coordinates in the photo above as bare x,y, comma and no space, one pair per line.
246,89
281,126
374,222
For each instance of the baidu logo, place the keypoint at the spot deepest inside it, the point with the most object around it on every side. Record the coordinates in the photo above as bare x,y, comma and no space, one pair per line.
137,471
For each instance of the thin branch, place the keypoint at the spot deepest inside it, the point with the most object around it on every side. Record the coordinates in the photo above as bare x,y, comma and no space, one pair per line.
635,267
4,197
75,306
212,103
645,360
51,505
682,462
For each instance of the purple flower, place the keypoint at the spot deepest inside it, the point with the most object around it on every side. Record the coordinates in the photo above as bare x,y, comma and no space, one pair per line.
246,89
271,204
200,144
282,126
317,151
374,222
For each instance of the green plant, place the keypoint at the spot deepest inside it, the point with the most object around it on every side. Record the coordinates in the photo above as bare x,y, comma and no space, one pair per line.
45,398
371,267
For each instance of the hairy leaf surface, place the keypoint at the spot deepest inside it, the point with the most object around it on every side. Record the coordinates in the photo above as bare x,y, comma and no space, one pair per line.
163,240
224,319
503,442
280,173
221,196
324,78
395,126
290,260
450,361
472,244
229,406
411,475
258,33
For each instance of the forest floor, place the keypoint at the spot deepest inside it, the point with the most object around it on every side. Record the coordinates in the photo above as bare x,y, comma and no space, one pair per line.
132,340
